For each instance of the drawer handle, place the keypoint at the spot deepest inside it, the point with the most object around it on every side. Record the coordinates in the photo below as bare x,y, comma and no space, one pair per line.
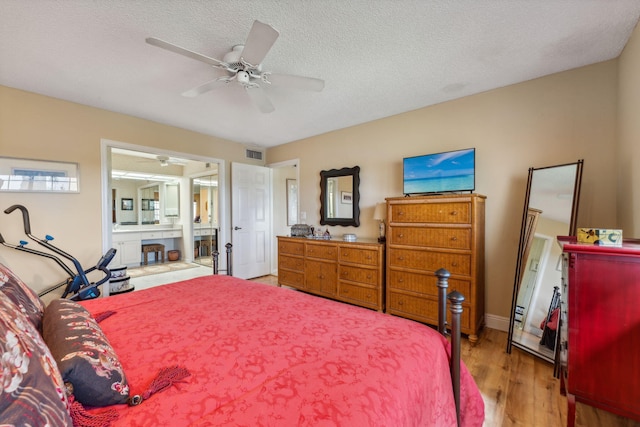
400,302
454,213
454,264
368,276
345,254
345,274
400,280
400,235
368,296
400,258
454,238
369,257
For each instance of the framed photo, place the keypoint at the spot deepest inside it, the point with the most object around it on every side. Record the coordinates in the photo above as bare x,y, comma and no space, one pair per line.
27,175
126,204
292,202
346,197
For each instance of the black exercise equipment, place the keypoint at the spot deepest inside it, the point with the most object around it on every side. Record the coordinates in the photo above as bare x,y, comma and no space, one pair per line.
78,285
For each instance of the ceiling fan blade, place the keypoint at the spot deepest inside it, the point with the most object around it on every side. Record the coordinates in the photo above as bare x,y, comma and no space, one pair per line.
296,82
185,52
260,40
206,87
260,99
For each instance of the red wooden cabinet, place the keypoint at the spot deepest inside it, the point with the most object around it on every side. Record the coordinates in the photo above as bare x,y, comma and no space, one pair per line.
600,348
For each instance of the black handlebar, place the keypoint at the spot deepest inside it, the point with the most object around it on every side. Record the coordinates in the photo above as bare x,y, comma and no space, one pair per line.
78,282
25,216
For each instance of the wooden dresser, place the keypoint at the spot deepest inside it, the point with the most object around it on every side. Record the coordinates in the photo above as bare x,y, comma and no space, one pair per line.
425,234
600,328
351,272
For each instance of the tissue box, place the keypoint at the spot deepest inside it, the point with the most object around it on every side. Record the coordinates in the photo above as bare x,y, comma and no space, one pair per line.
600,236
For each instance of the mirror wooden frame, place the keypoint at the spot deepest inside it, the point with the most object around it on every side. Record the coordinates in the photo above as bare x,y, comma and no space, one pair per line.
526,235
333,173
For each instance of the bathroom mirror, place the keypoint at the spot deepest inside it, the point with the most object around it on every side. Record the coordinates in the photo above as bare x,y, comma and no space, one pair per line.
150,204
172,200
550,210
205,218
340,197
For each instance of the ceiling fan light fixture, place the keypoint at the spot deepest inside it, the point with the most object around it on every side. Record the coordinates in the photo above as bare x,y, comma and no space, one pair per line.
243,63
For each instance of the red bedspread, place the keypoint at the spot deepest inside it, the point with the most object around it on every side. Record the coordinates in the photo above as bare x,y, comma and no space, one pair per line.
260,355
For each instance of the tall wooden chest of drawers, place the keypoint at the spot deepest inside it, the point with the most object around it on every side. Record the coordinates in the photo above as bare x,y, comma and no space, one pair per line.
346,271
424,234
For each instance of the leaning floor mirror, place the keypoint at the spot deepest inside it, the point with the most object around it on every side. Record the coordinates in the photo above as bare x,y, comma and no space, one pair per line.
550,210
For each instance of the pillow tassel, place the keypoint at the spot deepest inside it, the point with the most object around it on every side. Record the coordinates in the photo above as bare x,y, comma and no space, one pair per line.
81,418
99,317
165,379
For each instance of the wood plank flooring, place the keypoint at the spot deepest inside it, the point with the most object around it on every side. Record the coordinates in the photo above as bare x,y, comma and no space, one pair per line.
520,390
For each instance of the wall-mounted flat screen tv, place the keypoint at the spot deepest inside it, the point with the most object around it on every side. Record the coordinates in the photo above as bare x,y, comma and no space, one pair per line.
451,171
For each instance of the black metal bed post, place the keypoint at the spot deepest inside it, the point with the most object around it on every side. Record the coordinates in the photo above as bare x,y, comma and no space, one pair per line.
456,299
229,265
215,256
443,284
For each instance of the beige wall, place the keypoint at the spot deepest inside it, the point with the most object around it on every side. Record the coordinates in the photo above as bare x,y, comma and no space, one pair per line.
39,127
552,120
556,119
629,138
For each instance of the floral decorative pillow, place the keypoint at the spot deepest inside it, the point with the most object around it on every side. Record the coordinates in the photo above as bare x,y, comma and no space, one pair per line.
83,354
32,389
25,299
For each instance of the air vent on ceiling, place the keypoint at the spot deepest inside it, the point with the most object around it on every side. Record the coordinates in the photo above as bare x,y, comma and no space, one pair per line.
254,154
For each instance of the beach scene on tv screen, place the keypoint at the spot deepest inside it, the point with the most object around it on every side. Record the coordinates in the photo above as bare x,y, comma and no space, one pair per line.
442,172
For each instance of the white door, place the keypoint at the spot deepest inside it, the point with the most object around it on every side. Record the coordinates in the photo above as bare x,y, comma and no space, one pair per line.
250,220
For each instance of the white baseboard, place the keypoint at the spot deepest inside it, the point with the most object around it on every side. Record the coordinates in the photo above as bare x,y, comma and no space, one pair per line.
496,322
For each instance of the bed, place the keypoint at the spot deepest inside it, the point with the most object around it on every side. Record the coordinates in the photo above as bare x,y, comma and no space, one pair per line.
250,354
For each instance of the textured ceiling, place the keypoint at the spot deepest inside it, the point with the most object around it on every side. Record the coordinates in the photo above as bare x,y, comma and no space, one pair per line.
377,57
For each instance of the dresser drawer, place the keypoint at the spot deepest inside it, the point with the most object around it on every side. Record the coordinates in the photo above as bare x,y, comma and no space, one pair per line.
292,248
323,251
369,296
358,255
440,213
151,235
432,261
422,309
357,274
448,238
171,234
425,283
291,278
291,263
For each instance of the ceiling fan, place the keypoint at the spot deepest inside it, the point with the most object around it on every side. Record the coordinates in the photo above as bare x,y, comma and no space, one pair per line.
243,65
164,161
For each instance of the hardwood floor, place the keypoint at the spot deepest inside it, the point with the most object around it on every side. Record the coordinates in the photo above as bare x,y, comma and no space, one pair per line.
520,390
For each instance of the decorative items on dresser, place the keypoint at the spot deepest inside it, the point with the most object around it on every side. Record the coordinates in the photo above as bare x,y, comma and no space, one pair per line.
351,272
600,327
424,234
